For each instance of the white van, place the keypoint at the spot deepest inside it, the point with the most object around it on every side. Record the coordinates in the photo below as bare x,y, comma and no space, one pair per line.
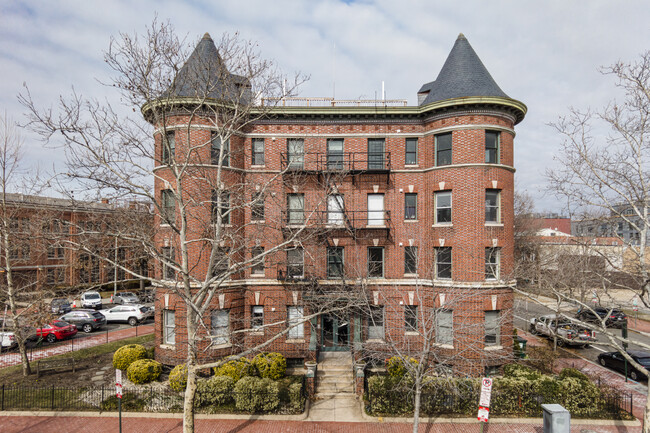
91,300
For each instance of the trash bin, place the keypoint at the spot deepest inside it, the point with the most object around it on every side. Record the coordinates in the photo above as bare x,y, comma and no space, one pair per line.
522,347
556,419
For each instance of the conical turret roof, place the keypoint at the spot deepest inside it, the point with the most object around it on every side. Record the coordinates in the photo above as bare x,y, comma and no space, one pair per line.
462,75
204,74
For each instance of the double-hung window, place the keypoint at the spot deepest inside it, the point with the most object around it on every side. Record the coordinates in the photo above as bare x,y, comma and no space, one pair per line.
442,201
257,317
410,206
220,326
295,263
335,154
258,266
411,155
376,154
411,318
492,147
222,262
257,206
376,323
492,329
168,259
492,204
216,144
334,262
169,327
296,324
168,147
375,262
443,149
445,327
410,260
335,209
443,263
296,152
221,207
257,151
492,259
168,206
296,208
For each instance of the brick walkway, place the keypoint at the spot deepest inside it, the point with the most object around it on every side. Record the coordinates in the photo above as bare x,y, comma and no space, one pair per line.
13,358
36,424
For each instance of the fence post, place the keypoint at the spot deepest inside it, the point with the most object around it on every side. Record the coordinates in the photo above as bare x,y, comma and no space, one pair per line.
102,401
52,397
3,396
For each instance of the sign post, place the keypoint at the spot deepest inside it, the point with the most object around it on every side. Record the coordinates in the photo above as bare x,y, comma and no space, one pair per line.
484,401
118,393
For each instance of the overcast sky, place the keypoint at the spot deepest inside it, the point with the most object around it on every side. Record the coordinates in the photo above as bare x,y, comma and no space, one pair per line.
543,53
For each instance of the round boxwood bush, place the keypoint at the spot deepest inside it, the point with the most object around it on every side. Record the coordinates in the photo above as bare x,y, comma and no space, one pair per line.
271,365
144,371
397,366
236,369
125,355
215,391
253,394
178,378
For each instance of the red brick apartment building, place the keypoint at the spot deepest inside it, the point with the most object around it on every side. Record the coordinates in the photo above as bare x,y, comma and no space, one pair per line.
411,204
45,234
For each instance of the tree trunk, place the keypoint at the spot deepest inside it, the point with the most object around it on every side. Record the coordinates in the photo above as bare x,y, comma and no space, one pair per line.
416,406
190,392
27,370
646,413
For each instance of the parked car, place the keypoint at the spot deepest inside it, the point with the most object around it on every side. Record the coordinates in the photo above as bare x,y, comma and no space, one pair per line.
147,296
616,361
615,317
567,333
86,320
132,314
125,298
57,330
60,306
7,340
91,300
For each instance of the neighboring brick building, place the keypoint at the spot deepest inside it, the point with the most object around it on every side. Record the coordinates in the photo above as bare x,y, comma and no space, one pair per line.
44,234
411,204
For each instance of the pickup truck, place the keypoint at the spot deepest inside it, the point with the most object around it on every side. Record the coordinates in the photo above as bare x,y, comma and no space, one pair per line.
567,332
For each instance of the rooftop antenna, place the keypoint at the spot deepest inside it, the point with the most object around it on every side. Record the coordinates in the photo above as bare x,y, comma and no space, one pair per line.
334,71
383,91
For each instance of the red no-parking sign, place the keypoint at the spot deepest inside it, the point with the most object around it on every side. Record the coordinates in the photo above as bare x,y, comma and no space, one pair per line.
484,401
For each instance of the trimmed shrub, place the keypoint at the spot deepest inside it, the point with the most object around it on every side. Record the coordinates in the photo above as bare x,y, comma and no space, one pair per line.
143,371
126,355
397,366
236,369
389,395
271,365
296,399
178,378
572,372
215,391
253,394
520,371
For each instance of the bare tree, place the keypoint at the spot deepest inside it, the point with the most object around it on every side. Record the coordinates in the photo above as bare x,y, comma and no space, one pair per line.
198,106
605,176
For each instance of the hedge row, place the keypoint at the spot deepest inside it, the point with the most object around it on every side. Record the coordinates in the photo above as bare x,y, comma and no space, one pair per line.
519,393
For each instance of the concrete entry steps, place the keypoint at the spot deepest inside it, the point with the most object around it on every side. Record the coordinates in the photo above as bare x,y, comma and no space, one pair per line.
334,375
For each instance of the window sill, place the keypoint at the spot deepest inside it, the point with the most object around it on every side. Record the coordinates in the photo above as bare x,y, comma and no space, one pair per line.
442,225
258,275
258,222
444,346
295,340
258,165
411,333
168,346
411,221
375,226
411,165
493,224
256,333
489,348
221,346
375,340
410,275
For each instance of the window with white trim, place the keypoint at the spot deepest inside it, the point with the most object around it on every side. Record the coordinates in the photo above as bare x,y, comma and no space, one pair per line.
411,318
445,327
410,260
168,206
258,266
169,327
492,205
168,147
492,263
443,149
376,323
443,263
442,200
220,326
297,328
257,316
411,155
257,150
492,141
492,328
215,150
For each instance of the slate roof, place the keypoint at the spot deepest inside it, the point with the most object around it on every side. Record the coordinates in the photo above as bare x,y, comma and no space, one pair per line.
462,75
204,74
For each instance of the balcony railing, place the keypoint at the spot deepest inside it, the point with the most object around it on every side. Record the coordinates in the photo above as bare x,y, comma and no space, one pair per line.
343,162
333,220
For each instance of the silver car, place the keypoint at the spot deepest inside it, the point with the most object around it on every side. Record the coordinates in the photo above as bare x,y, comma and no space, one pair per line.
125,298
132,314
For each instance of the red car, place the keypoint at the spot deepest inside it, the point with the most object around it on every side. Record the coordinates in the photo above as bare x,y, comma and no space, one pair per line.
57,330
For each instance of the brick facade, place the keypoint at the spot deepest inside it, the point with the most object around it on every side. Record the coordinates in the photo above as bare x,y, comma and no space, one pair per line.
469,293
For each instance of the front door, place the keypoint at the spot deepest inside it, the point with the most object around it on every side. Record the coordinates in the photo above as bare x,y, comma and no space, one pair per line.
335,333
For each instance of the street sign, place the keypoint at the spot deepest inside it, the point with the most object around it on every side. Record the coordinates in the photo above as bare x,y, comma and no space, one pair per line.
118,383
486,392
483,414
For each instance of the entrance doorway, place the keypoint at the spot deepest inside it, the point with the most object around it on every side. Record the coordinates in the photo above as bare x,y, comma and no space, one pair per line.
335,333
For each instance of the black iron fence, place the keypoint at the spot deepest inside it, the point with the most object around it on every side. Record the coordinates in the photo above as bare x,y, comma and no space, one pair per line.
39,348
141,399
